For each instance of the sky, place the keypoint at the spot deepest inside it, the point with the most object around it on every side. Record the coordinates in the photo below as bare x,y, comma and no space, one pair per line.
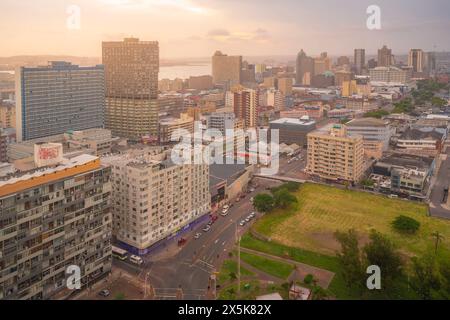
197,28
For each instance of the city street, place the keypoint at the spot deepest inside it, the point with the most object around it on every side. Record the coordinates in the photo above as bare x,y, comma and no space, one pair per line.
191,266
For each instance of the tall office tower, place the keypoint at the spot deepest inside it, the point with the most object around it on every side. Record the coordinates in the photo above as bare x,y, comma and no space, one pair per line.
52,219
226,70
58,97
416,60
285,85
385,58
334,155
430,63
131,77
154,198
359,60
322,64
245,106
304,69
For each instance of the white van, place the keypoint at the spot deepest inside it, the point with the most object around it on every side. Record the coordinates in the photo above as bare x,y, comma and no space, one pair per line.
136,260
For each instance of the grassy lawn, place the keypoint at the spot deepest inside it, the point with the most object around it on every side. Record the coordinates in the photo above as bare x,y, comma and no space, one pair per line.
277,269
322,210
230,266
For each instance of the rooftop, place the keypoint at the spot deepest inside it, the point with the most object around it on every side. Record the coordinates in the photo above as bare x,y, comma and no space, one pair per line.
366,122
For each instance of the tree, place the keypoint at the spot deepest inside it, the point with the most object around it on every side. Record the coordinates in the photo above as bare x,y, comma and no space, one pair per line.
350,259
263,202
426,278
283,199
437,239
232,276
380,251
445,273
438,102
319,293
406,224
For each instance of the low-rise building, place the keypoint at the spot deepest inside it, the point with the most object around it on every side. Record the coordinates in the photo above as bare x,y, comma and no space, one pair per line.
407,173
426,140
376,133
169,126
293,130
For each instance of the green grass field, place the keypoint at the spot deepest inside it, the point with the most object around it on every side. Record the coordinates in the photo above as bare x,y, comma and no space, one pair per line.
322,210
229,267
277,269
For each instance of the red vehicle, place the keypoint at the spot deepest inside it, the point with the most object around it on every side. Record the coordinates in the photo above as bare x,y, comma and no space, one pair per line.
181,242
214,219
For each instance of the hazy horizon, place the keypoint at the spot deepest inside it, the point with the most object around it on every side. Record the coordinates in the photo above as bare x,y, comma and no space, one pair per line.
197,28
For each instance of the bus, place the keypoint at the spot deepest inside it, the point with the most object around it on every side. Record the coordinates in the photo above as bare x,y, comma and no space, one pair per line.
119,253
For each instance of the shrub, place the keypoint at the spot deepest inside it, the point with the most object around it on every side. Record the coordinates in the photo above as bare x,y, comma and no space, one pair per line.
406,224
309,278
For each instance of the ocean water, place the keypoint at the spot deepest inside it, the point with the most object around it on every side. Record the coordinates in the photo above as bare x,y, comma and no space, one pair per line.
184,71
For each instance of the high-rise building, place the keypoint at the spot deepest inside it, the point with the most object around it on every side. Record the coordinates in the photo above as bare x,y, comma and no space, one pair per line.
285,85
52,219
226,70
58,97
153,197
385,58
245,106
416,60
334,155
131,73
7,114
359,60
200,82
304,69
322,64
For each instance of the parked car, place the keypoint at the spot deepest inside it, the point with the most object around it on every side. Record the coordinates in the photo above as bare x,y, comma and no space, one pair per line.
207,228
224,213
226,207
247,219
252,199
252,189
242,223
253,214
104,293
197,235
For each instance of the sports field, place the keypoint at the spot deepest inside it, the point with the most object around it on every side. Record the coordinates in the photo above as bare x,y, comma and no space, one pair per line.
322,210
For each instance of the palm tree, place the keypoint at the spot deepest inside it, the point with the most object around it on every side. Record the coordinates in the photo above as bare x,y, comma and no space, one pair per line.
437,239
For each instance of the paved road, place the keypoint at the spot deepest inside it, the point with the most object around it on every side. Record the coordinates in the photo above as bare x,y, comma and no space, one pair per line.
192,266
442,181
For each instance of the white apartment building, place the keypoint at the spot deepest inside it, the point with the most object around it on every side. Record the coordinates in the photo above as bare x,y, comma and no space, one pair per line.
153,198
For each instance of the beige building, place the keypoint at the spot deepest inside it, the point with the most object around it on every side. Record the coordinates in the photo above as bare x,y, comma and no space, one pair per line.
51,219
154,198
226,69
245,106
200,82
7,115
168,126
285,86
131,77
334,155
389,74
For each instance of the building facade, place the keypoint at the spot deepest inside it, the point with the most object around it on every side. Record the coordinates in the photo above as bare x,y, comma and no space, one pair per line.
131,77
58,97
154,198
359,60
226,69
51,220
334,155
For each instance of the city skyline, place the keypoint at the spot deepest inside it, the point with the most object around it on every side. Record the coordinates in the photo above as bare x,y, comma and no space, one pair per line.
197,28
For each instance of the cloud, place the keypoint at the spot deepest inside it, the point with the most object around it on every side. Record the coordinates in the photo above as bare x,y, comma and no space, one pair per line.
183,5
223,35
